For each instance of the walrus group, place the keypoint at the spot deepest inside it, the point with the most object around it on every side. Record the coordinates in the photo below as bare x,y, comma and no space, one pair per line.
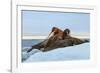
57,39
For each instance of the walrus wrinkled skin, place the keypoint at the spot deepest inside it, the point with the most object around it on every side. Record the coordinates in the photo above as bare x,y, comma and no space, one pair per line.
55,42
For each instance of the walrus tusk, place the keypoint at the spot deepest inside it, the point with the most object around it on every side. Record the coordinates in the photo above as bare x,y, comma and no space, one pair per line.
51,34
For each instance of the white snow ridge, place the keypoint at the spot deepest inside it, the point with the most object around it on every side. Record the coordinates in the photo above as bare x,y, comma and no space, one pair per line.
78,52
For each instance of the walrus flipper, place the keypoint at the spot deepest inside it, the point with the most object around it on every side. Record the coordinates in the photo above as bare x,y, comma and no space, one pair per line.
38,46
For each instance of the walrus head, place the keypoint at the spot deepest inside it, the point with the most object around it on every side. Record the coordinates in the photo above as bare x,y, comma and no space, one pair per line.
54,31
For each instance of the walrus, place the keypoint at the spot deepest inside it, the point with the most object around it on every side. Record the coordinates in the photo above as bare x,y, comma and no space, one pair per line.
54,41
67,41
55,34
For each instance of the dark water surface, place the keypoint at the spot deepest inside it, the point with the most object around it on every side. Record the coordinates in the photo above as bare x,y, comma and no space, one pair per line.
30,42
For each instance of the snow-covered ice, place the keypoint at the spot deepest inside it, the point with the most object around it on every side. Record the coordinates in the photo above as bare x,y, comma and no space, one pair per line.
77,52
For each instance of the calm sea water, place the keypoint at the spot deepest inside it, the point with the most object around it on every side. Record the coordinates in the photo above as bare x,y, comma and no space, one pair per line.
30,42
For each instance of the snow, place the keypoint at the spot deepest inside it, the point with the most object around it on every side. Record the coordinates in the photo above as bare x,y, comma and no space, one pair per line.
77,52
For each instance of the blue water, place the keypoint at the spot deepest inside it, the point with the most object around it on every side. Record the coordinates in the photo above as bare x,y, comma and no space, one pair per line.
30,42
